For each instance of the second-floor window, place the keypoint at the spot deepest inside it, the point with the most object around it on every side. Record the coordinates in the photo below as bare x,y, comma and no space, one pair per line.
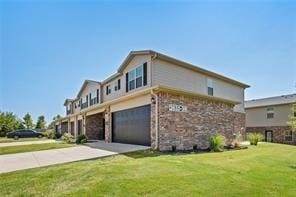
69,108
117,85
135,78
270,113
84,103
210,87
108,89
93,97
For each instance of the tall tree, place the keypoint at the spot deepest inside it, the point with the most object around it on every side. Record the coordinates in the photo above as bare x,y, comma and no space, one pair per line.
41,124
51,125
28,121
8,122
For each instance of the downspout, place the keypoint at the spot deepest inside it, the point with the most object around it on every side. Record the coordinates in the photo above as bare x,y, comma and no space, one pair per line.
156,120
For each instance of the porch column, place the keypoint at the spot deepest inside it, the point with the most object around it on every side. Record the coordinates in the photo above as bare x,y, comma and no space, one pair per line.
108,123
83,123
75,127
69,126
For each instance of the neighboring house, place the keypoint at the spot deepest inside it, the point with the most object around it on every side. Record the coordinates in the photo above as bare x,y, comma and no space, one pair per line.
270,116
159,101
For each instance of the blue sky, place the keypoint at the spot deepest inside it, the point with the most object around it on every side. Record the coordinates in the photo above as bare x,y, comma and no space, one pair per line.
48,48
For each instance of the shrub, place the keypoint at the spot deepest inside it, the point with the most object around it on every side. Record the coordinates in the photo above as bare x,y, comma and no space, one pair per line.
81,139
68,138
57,135
254,138
217,142
50,134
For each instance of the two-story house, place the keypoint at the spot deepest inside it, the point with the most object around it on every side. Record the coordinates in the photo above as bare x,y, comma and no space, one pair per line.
158,101
270,117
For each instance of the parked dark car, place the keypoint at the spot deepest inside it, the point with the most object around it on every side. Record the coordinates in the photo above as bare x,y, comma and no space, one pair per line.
24,133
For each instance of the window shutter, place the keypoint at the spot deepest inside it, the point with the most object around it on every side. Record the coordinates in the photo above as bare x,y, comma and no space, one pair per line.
107,90
98,93
90,99
145,73
126,82
118,85
86,100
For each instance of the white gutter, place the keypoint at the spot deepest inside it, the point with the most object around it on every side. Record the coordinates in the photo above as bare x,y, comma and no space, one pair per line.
156,119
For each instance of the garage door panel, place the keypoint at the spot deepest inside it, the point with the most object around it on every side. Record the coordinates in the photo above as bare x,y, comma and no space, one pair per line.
132,126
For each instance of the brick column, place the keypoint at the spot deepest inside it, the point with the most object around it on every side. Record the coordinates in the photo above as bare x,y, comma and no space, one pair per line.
69,126
152,122
108,125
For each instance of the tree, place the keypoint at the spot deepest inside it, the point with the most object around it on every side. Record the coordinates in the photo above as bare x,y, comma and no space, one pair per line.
292,121
51,125
28,122
8,122
41,124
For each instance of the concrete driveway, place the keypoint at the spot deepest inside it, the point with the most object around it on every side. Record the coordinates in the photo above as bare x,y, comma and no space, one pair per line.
20,161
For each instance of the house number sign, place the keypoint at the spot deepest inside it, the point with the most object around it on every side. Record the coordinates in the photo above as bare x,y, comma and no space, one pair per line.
177,108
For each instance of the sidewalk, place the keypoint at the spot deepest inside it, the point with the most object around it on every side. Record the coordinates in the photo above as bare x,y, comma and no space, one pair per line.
5,144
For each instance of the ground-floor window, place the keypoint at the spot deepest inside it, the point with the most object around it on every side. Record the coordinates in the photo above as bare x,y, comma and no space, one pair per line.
288,136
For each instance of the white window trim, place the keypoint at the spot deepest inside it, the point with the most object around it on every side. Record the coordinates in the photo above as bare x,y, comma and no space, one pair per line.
135,78
290,135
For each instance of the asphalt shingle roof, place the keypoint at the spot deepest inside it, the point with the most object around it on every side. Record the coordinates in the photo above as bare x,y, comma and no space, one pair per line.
277,100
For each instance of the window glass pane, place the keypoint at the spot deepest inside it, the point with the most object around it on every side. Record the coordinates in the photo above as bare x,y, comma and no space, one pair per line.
139,71
139,82
270,115
210,91
131,75
84,99
93,94
132,85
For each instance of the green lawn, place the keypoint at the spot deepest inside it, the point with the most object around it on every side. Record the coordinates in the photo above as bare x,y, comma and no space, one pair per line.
265,170
32,147
5,139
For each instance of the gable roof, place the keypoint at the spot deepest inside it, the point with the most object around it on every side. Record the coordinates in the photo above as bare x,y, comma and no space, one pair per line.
172,60
276,100
84,85
67,100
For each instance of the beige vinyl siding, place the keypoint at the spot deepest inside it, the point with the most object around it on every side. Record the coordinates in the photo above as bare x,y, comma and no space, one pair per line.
114,94
131,103
256,117
135,62
90,87
170,75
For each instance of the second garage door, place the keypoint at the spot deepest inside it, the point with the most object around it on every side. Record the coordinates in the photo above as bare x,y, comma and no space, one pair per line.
132,126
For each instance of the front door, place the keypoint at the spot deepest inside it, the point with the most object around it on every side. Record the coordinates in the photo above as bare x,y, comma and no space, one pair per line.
268,136
72,128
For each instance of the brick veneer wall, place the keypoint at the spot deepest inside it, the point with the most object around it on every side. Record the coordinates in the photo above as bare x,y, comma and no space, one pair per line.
108,125
240,125
278,133
94,126
194,127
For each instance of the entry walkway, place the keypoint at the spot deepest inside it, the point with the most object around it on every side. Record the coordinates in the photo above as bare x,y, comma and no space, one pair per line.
20,161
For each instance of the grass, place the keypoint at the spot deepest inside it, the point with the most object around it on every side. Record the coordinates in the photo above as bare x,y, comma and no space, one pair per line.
264,170
32,147
5,139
